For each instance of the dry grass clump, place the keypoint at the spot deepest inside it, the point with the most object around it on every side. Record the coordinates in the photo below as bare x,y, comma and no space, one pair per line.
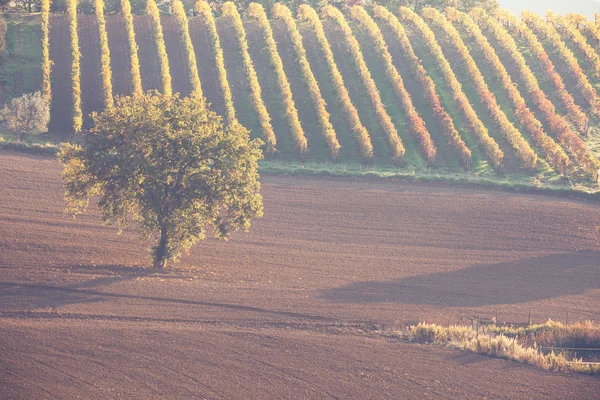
505,342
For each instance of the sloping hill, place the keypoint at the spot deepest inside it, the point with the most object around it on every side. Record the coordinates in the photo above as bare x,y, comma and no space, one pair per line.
352,80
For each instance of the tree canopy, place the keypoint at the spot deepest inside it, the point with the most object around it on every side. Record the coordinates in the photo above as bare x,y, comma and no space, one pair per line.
169,165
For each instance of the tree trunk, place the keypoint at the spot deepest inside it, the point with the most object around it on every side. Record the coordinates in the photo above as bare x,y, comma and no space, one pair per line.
160,255
21,136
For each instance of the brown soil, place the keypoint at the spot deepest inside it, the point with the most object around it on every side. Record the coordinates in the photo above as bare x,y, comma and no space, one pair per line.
207,67
295,307
119,55
92,96
61,115
178,65
147,53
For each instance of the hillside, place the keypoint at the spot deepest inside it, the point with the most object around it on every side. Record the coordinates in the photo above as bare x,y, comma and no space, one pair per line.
430,86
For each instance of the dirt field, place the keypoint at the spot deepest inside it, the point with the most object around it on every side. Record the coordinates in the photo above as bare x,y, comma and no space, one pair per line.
291,309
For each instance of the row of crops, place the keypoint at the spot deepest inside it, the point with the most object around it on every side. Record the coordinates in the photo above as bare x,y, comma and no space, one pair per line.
439,90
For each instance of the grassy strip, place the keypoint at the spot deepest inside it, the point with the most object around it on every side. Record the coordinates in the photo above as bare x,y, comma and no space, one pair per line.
46,63
230,12
497,344
152,11
427,84
413,119
555,155
136,76
542,27
365,147
394,142
205,12
283,13
182,20
576,115
558,125
257,12
75,65
522,149
271,167
106,72
489,146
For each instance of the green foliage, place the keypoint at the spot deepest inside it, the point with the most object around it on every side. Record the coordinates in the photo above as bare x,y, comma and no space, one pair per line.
153,12
230,12
133,48
205,12
106,72
27,115
256,11
171,166
3,29
75,65
46,63
282,12
363,140
179,13
462,5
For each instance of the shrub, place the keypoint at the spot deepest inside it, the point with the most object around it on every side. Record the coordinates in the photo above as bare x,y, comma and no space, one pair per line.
365,147
205,12
133,49
542,27
75,65
153,12
282,12
558,125
257,12
413,119
27,115
46,63
3,29
488,145
428,86
179,13
394,142
104,55
555,155
230,12
522,149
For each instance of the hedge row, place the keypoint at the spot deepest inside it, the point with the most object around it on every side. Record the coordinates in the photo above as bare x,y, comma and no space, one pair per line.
182,20
558,125
523,150
427,84
394,141
106,72
540,26
75,65
230,11
414,120
205,12
153,12
283,13
136,76
575,113
257,12
365,147
488,145
552,151
46,63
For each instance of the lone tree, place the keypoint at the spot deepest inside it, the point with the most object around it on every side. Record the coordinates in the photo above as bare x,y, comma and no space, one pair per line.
27,115
168,164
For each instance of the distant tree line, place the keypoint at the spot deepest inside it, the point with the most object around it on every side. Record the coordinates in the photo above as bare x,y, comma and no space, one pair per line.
138,7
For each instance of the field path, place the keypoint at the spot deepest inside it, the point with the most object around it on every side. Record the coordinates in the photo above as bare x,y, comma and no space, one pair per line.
295,308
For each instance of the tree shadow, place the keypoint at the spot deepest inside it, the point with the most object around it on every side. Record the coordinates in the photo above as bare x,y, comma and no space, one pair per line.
483,285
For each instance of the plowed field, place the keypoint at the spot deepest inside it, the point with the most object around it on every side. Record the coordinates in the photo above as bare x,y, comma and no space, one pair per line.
294,308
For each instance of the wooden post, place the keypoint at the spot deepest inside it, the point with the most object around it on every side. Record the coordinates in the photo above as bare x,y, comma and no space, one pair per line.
567,318
496,316
530,317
